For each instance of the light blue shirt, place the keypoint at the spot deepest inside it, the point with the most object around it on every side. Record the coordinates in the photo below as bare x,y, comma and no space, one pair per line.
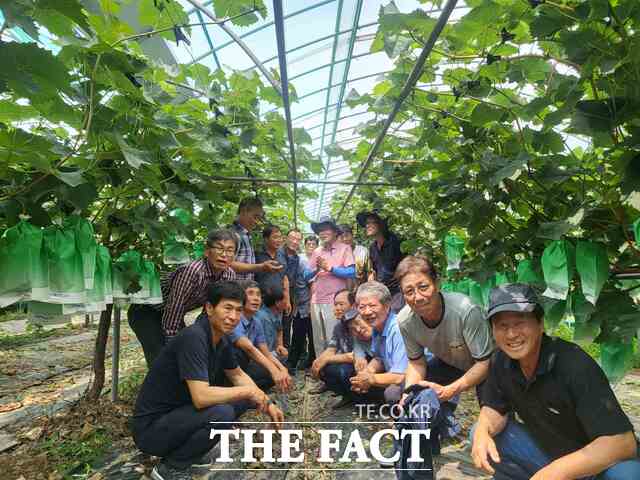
249,327
271,325
388,346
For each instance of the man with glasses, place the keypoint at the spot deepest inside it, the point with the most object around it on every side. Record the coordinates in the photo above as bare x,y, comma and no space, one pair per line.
453,330
183,290
250,214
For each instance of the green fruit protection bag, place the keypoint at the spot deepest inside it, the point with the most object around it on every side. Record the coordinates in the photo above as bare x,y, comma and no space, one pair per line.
86,245
500,278
462,286
475,292
592,264
454,250
636,230
23,264
558,264
527,273
554,312
66,278
152,281
175,252
103,265
486,288
142,295
127,273
616,359
198,250
447,287
98,296
182,215
587,325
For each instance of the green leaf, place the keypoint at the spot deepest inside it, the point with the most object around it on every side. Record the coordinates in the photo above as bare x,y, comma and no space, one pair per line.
301,137
483,114
232,8
71,178
134,157
13,112
81,196
510,169
548,142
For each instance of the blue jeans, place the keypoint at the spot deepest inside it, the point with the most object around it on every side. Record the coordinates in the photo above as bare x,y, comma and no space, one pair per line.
521,458
336,376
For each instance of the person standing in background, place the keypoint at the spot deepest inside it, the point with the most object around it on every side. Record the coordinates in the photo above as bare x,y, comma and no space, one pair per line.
302,335
290,250
384,254
250,213
273,252
360,254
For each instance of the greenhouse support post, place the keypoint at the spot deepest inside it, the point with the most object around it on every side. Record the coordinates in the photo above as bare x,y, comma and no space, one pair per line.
115,366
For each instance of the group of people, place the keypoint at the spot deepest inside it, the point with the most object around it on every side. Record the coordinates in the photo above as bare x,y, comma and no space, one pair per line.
375,328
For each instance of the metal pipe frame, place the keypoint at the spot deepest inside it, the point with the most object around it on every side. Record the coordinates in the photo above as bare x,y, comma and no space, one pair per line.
209,41
406,91
305,181
261,27
240,43
343,87
331,67
282,58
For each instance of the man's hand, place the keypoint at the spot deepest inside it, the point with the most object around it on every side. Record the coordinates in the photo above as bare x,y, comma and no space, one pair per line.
282,351
323,264
444,392
483,448
277,417
551,472
270,266
287,308
317,365
360,364
259,398
282,380
362,382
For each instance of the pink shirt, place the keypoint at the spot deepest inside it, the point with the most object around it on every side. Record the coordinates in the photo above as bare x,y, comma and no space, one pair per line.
326,284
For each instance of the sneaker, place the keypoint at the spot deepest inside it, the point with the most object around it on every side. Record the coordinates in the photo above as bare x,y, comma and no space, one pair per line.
162,471
209,458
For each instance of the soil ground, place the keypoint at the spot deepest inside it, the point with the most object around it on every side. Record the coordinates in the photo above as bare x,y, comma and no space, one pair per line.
47,432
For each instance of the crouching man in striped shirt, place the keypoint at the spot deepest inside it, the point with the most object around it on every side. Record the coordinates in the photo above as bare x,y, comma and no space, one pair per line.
183,290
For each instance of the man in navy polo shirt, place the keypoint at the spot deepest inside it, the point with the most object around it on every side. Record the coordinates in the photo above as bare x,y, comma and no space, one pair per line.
179,398
569,423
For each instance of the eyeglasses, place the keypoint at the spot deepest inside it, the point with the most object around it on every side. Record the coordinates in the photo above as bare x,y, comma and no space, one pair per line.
422,288
229,252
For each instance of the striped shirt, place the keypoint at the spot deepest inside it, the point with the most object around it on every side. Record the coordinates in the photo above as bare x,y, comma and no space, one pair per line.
245,253
185,289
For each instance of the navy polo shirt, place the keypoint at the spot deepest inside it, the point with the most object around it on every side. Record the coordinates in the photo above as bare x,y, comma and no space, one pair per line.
270,279
191,355
566,405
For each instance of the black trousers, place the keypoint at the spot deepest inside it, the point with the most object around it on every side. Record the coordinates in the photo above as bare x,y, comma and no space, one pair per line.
258,373
286,330
301,340
182,436
146,322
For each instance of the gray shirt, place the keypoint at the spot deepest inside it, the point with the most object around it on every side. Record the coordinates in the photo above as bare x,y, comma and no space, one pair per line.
462,337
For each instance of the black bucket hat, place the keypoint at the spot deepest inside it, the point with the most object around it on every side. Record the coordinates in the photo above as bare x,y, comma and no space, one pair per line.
318,226
361,218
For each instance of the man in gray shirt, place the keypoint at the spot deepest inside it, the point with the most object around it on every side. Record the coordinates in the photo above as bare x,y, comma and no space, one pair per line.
453,329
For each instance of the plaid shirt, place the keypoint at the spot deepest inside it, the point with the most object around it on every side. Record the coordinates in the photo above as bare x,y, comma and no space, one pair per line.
245,253
185,289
